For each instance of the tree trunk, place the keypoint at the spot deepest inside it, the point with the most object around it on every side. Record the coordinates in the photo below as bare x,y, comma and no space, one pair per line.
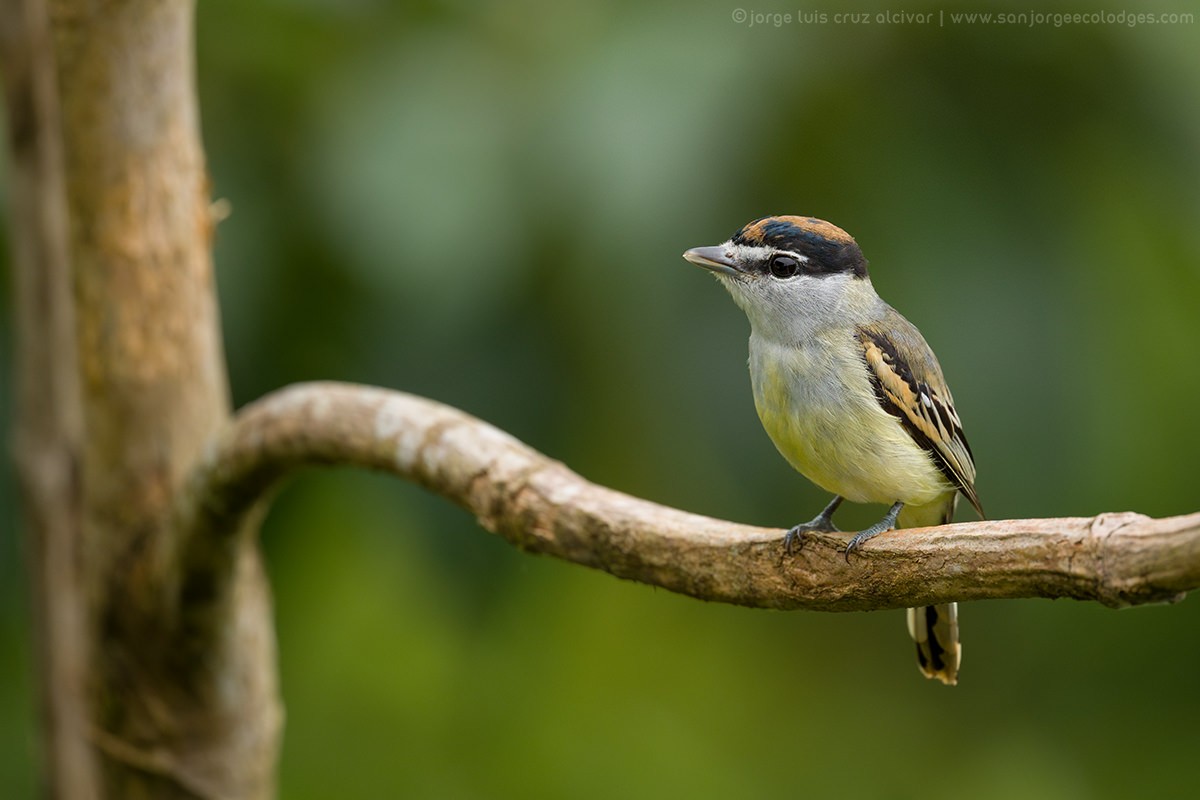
122,382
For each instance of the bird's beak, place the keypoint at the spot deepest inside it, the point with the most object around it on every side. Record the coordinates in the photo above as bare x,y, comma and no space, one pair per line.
714,258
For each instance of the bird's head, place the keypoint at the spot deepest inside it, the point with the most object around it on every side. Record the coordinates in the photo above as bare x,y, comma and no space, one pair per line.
789,272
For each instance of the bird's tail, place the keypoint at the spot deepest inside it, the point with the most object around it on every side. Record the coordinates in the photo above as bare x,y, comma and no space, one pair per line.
934,628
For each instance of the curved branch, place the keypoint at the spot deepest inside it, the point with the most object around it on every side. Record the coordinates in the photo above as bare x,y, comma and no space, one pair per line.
541,506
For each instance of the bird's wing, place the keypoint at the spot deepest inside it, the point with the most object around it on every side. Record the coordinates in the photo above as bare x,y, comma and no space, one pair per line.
909,385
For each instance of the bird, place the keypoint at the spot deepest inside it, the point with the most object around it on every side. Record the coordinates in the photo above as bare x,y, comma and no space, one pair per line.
849,392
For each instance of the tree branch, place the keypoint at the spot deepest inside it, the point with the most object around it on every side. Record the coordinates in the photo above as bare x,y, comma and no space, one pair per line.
541,506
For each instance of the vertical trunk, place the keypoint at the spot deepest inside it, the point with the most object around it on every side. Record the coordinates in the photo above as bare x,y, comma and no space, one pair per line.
122,382
47,440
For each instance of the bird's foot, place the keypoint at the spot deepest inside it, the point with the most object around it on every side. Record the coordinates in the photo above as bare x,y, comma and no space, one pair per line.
883,526
793,541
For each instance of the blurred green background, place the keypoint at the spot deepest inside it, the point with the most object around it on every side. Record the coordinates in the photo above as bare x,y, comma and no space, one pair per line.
485,203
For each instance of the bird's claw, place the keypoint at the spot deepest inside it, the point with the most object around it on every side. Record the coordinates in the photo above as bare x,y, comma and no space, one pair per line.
883,526
793,540
861,538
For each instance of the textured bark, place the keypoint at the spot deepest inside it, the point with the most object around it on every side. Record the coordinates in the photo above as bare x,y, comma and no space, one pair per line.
541,506
120,391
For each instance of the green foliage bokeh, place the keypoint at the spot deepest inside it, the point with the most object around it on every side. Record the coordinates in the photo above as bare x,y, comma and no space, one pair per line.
485,203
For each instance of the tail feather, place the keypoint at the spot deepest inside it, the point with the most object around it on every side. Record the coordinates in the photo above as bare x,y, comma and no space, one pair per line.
935,630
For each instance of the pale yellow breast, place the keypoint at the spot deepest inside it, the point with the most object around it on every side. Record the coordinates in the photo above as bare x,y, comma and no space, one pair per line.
816,403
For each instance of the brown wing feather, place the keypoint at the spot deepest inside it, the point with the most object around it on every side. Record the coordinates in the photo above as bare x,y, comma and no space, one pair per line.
913,390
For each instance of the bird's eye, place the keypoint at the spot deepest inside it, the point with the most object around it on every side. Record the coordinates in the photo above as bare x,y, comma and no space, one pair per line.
784,266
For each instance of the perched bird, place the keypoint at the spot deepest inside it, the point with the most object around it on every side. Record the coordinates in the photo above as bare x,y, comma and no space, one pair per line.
849,392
